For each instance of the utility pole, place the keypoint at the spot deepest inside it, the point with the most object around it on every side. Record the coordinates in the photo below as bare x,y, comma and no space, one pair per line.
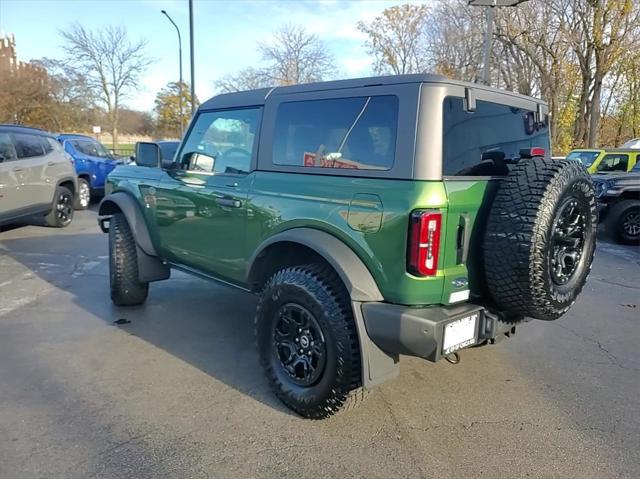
193,80
489,6
180,92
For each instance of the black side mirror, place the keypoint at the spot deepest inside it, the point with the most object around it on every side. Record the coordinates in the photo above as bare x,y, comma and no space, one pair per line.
148,154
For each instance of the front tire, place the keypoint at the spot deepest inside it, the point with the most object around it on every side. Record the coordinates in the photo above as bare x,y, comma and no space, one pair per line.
624,221
126,288
307,341
61,213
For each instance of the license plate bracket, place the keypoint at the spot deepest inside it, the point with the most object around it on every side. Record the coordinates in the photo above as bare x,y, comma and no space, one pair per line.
460,333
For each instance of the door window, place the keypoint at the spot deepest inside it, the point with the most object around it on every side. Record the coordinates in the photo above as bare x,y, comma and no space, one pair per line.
222,142
7,149
29,146
354,133
614,162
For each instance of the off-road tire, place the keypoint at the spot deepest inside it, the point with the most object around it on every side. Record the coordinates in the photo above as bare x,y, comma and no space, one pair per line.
61,213
318,289
617,215
126,289
519,238
83,198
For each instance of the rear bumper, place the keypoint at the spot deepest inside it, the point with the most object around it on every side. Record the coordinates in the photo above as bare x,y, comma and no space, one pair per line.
420,332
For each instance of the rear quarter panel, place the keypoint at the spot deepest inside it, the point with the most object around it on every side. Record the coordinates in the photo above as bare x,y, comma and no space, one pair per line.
281,201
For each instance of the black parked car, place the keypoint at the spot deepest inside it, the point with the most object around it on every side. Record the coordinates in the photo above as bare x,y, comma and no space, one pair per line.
619,204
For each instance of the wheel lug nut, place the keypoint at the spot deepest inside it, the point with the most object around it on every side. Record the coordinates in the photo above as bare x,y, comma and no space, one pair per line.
296,340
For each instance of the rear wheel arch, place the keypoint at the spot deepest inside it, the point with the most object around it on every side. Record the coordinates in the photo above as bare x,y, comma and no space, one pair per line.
307,245
69,184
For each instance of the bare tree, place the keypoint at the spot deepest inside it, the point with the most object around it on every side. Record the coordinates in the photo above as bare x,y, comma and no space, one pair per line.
295,56
246,79
396,39
454,40
111,63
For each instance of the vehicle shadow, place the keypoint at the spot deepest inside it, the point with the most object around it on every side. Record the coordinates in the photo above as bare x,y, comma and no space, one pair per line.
207,325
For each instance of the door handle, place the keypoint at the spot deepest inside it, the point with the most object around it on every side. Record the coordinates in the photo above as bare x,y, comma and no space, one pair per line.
233,185
51,163
18,170
230,202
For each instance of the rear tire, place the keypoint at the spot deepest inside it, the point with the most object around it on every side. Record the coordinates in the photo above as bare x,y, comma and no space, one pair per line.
61,213
126,289
624,221
540,238
307,341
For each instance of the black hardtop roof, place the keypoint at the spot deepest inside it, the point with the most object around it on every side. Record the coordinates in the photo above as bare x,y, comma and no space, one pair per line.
259,96
25,129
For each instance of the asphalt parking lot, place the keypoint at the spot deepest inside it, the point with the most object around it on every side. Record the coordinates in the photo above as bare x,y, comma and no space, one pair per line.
173,390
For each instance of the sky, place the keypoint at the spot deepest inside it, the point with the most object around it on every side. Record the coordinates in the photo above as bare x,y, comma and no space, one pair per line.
226,33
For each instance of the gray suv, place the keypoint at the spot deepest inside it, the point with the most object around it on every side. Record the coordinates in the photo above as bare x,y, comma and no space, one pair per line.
36,177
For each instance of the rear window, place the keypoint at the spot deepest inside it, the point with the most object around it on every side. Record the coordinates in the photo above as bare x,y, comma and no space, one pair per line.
355,133
29,146
484,142
586,157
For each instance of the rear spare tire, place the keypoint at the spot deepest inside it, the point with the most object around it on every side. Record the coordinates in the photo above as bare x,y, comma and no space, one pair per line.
540,238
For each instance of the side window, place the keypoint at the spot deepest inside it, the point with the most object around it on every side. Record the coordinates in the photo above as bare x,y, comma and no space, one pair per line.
356,133
29,146
221,142
7,149
52,145
614,162
484,142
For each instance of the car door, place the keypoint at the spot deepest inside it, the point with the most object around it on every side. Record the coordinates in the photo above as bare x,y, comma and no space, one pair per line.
10,178
201,203
33,154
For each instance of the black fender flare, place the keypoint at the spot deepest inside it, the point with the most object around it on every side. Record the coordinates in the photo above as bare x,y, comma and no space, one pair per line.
150,266
354,274
68,179
131,210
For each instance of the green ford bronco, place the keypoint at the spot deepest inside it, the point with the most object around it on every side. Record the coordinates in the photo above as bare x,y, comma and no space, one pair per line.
374,217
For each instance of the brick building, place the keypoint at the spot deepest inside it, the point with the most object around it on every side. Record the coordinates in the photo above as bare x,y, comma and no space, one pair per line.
9,63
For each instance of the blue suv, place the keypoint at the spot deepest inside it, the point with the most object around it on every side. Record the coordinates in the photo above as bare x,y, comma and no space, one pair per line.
93,163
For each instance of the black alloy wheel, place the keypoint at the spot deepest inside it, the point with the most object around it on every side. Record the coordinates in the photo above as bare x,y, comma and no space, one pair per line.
630,223
568,240
299,345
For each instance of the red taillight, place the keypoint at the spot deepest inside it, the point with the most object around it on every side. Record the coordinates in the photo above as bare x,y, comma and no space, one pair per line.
528,153
424,242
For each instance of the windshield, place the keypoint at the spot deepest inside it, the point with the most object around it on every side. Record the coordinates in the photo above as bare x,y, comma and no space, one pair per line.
586,157
634,143
168,150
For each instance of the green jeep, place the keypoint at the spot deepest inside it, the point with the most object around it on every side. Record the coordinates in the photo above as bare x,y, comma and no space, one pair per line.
374,217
